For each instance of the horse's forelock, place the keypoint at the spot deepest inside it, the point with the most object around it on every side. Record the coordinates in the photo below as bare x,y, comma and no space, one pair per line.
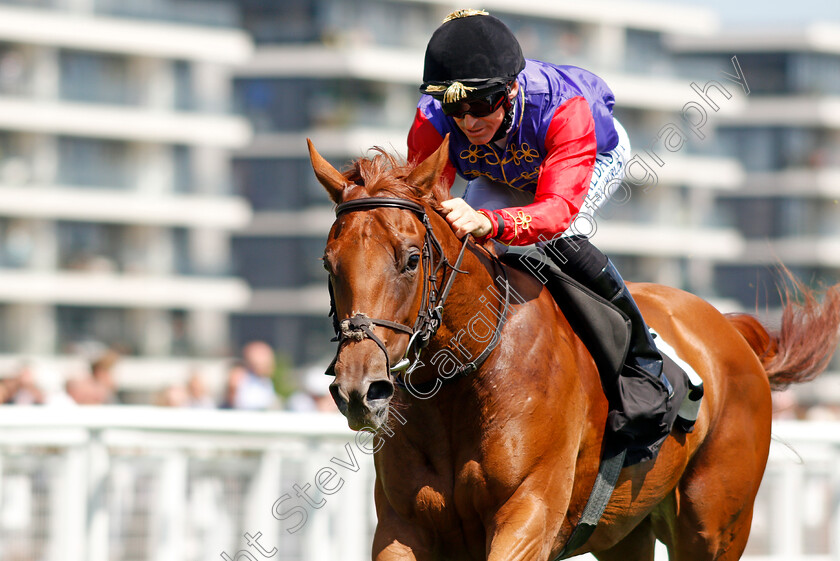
384,175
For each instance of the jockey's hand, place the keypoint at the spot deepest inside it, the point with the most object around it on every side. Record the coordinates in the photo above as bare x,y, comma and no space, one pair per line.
464,219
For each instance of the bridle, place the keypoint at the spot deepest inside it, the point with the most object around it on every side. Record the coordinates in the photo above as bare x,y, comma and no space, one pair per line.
428,320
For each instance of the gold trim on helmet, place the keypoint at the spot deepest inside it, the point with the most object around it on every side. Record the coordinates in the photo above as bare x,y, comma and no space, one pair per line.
456,91
464,14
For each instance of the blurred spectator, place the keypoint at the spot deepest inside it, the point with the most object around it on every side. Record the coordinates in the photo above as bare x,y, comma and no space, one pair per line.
197,394
21,388
314,395
84,390
251,387
236,373
785,405
97,386
102,373
173,396
822,412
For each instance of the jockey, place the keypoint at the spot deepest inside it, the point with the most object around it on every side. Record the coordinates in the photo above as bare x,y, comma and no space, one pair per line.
539,148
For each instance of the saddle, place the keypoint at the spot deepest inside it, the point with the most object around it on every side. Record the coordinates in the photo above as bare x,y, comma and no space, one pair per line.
605,331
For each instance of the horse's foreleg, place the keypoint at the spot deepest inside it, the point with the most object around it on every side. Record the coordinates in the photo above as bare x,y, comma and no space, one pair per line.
387,549
395,539
522,531
638,545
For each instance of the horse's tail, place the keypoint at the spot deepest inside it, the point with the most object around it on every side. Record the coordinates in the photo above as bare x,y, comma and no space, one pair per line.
802,348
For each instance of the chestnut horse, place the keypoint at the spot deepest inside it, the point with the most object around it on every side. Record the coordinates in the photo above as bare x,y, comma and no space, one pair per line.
498,463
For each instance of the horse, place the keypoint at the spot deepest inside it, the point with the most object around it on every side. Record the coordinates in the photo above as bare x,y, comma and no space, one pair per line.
488,443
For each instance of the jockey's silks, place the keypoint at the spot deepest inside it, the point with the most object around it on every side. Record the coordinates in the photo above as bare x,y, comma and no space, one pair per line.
562,120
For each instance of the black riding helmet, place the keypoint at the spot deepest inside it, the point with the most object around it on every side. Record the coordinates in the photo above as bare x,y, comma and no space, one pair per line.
470,54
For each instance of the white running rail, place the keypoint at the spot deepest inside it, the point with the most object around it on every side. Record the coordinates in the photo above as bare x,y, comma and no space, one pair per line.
154,484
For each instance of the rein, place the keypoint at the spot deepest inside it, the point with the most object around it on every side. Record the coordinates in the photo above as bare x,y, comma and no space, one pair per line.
430,315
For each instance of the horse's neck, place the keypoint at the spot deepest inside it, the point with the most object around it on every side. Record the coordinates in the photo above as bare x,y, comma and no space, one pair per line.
477,304
471,314
472,310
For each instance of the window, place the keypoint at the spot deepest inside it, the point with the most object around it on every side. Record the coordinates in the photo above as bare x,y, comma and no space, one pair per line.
184,91
777,217
87,162
645,54
97,78
18,243
558,42
290,21
90,247
767,73
295,104
278,184
220,13
182,164
272,104
814,73
369,22
80,326
755,287
15,70
15,166
772,148
271,262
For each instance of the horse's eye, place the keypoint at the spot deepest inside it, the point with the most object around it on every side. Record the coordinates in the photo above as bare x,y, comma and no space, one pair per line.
413,261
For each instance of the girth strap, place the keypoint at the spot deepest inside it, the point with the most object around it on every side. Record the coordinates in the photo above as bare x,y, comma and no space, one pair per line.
605,481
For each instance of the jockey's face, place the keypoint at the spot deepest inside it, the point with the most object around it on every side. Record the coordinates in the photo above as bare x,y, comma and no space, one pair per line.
480,130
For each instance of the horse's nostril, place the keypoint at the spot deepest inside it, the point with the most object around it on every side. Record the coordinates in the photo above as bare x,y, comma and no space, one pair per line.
336,395
382,389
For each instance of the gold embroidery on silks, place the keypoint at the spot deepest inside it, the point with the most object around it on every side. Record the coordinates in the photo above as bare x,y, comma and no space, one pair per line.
521,221
526,177
517,154
513,153
525,153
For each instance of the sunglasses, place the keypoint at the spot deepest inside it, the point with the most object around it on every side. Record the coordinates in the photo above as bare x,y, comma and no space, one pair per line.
477,107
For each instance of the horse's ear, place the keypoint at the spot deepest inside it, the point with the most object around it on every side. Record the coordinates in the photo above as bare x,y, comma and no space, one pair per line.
332,179
426,175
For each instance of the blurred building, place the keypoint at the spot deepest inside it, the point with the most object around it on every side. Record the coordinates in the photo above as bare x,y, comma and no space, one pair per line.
345,74
116,203
137,211
788,140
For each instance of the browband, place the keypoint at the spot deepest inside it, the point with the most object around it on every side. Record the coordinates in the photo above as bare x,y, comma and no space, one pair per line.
379,202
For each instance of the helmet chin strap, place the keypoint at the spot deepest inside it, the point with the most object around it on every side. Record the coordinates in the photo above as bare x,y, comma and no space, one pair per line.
504,127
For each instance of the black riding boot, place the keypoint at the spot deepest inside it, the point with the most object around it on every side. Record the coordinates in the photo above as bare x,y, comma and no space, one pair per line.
643,354
643,391
639,393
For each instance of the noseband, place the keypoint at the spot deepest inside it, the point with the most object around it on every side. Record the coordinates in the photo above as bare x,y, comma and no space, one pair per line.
431,309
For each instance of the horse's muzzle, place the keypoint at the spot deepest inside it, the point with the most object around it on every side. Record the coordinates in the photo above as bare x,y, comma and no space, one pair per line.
365,405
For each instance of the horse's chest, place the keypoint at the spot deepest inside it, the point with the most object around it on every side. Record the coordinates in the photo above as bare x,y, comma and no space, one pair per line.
443,500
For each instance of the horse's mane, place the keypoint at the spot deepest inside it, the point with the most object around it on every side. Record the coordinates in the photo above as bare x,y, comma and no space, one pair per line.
384,175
